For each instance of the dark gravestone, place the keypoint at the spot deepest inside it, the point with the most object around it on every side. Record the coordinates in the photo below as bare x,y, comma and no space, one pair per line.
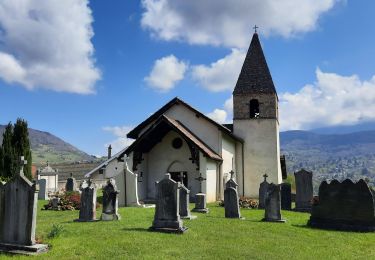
184,203
42,194
231,205
272,204
262,192
286,196
304,190
71,183
18,208
110,201
87,212
344,206
167,217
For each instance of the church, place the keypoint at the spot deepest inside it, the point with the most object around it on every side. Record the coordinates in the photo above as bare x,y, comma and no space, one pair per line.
184,142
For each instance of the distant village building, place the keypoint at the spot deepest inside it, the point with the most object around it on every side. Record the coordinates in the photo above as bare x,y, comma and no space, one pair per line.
182,141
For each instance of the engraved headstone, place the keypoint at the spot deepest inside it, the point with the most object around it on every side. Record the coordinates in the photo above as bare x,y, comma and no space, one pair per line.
272,204
304,190
184,203
71,183
262,192
110,201
286,196
231,205
87,212
42,194
344,206
200,198
167,217
18,200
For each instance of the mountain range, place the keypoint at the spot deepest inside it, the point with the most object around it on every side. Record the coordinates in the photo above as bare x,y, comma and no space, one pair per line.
328,152
47,147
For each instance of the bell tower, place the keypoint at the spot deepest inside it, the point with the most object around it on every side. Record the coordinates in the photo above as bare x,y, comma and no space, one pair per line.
255,120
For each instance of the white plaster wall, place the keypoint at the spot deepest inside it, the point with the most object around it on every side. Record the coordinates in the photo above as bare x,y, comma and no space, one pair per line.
228,164
51,182
162,155
211,180
261,152
239,168
113,168
205,130
142,171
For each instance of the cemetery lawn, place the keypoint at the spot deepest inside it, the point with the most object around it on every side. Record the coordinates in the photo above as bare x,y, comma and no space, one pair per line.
210,236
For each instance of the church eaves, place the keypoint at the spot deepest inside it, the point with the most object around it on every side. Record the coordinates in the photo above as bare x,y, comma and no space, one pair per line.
255,77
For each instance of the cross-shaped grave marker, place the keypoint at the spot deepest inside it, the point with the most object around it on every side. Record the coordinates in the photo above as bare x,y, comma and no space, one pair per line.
200,179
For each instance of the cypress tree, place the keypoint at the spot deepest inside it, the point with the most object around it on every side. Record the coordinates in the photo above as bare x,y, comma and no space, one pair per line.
9,163
21,145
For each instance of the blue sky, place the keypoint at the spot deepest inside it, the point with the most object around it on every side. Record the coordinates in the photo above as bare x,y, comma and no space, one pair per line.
89,71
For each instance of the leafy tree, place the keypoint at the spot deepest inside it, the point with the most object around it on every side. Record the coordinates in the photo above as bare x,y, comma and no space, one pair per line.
21,145
9,162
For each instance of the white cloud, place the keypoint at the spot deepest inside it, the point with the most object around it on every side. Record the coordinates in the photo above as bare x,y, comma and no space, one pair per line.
166,73
332,100
229,22
121,140
47,44
218,115
222,74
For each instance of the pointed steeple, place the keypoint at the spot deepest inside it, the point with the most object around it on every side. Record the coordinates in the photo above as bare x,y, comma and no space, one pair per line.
255,77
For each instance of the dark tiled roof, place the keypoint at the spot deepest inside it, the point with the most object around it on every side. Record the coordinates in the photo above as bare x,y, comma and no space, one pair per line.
160,128
135,132
255,76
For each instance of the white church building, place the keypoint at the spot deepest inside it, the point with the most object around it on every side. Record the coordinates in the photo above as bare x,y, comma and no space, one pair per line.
182,141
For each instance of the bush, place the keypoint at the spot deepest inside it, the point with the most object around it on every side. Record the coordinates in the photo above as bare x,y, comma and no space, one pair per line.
66,201
245,203
56,230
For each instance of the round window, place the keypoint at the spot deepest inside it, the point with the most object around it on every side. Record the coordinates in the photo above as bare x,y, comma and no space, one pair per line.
177,143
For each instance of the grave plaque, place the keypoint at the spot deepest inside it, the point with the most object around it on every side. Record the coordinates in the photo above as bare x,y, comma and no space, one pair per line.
272,204
304,190
167,217
110,201
18,200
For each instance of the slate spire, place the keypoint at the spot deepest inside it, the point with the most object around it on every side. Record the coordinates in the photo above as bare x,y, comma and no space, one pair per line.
255,77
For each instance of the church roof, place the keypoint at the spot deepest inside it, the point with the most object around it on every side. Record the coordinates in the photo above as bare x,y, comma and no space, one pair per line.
255,77
160,128
136,131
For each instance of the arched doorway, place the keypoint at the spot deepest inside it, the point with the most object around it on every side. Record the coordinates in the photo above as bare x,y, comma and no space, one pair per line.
178,172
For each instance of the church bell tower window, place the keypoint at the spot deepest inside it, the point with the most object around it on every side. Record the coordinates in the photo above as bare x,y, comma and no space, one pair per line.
254,108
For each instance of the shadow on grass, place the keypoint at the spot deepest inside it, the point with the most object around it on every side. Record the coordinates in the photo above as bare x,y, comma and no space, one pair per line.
136,229
236,219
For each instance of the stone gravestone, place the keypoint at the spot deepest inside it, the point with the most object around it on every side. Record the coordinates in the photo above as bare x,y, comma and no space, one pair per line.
272,204
18,201
42,194
200,198
87,212
304,190
231,205
344,206
286,196
262,192
184,203
110,201
167,215
71,183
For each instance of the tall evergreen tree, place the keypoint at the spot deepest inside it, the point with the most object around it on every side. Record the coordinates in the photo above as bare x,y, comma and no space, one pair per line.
9,164
21,145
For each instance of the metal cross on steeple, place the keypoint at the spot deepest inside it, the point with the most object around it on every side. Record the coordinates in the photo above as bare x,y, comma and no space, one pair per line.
255,28
22,163
231,174
200,179
265,176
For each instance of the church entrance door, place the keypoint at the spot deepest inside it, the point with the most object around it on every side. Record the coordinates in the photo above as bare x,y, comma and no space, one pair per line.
180,177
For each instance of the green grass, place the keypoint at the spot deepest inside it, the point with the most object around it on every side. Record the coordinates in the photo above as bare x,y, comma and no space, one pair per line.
210,236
